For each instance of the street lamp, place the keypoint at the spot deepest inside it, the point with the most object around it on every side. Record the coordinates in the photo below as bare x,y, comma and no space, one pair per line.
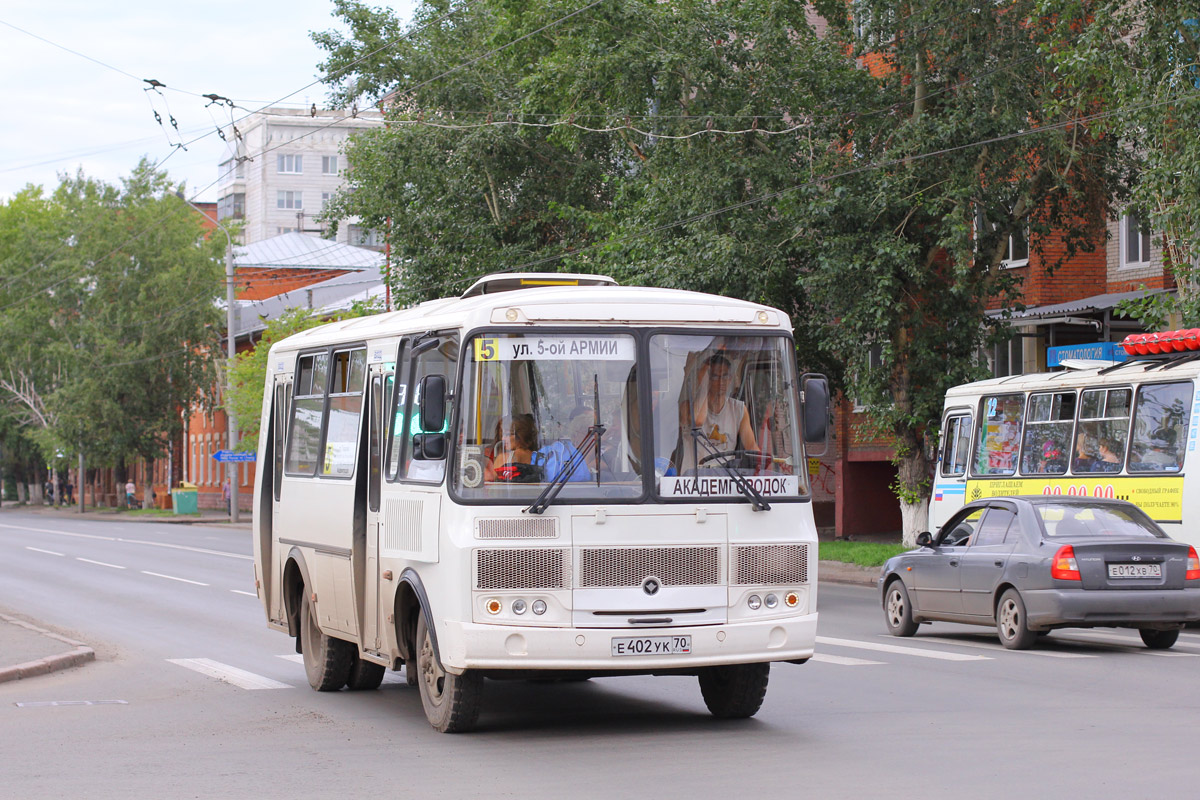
231,346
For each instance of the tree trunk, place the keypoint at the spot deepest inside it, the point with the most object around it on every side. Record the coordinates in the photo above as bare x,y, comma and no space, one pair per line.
147,484
22,493
81,483
915,518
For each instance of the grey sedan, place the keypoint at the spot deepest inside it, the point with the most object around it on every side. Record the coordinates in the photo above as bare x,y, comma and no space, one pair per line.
1031,564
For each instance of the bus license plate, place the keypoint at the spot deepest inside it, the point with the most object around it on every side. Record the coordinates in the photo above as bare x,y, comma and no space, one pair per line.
1134,570
651,645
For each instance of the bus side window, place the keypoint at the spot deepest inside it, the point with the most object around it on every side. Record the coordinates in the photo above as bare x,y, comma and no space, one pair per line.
308,412
439,360
1160,427
956,445
345,408
396,407
1000,423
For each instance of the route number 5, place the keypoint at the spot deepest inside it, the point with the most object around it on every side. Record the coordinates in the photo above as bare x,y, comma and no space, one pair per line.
486,350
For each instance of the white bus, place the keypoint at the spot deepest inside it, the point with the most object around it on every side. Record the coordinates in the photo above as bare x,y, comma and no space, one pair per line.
548,477
1125,430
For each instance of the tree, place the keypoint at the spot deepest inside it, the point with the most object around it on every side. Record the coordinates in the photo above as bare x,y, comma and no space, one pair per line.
111,297
1140,59
249,373
728,148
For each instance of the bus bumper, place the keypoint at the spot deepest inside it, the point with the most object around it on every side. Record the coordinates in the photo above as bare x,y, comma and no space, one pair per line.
466,645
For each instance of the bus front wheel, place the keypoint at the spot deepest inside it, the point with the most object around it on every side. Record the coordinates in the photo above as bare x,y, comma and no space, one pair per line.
327,661
451,701
735,691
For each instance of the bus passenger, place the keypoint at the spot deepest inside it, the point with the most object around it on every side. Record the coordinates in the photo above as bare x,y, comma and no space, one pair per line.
516,439
1109,459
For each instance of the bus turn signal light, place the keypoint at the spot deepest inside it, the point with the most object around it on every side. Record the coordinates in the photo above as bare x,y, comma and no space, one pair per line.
1193,567
1064,567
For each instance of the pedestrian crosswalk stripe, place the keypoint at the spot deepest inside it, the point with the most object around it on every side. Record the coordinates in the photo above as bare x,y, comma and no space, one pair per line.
843,661
1127,642
223,672
998,646
906,651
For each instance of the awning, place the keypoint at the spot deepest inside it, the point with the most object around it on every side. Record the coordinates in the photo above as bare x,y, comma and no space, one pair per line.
1086,311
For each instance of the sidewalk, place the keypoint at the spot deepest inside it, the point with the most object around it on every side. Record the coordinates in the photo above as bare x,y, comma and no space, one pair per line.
27,650
207,516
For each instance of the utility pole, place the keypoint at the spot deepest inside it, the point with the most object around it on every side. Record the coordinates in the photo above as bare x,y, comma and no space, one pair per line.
231,467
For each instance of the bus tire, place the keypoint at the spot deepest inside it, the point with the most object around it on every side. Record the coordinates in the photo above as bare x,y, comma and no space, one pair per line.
451,701
364,675
327,661
735,691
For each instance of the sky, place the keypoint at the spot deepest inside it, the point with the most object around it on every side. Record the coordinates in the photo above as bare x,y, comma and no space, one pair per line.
64,112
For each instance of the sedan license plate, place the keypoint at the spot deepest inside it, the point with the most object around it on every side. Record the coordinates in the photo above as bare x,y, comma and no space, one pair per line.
651,645
1135,570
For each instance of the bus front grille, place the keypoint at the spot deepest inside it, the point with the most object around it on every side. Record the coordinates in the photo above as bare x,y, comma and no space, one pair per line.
522,568
766,564
630,566
517,528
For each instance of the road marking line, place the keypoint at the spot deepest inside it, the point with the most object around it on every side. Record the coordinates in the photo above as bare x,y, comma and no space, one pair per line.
60,533
998,647
906,651
56,703
40,550
130,541
843,661
294,657
248,594
101,563
223,672
173,578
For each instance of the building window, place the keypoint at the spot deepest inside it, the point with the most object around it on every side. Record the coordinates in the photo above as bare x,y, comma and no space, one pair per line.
1007,358
1016,253
874,362
325,198
232,205
364,237
281,231
290,164
329,165
1135,241
289,200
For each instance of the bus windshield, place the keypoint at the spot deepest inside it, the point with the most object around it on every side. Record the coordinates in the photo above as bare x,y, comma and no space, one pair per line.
724,408
541,408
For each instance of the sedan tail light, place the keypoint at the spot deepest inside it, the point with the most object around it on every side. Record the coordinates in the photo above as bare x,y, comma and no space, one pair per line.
1193,570
1064,567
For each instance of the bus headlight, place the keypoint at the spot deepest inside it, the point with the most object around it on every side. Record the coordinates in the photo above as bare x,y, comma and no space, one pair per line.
539,607
754,602
771,601
518,606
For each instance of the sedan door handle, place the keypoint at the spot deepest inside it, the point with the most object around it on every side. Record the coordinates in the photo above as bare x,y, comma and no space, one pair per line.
954,562
999,563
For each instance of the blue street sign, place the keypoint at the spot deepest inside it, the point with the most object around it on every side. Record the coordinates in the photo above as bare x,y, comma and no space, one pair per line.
229,455
1097,351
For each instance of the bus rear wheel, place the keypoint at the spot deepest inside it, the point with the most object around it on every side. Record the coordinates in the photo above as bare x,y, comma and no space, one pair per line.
365,675
735,691
327,661
451,701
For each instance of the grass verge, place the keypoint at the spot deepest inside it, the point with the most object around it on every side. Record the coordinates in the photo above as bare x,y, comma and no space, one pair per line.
865,554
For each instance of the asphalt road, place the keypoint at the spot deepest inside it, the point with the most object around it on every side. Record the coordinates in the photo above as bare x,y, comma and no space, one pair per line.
948,713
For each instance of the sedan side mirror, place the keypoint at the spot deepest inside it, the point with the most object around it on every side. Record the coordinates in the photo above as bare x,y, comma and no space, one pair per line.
925,539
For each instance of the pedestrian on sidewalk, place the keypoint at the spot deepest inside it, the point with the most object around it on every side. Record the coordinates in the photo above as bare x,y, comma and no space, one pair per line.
225,493
130,493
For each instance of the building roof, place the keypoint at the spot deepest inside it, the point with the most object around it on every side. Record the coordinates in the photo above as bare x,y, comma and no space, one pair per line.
324,298
1088,305
301,251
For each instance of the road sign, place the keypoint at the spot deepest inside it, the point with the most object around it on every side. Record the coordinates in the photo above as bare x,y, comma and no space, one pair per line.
229,455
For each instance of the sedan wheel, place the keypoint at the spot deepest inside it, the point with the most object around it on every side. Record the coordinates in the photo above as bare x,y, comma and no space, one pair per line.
897,610
1011,623
1159,640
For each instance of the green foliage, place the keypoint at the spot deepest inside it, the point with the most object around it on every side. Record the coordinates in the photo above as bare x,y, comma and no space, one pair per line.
1140,60
249,372
109,294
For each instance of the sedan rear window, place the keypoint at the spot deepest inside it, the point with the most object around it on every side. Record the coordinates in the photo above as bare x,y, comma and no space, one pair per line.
1081,520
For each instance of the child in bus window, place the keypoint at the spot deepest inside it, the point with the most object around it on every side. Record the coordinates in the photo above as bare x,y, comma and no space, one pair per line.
516,441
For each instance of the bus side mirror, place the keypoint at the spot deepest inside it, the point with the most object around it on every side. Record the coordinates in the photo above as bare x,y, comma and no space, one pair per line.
429,446
814,409
433,403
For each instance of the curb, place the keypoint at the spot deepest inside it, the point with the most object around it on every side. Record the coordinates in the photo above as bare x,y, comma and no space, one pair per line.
841,572
44,666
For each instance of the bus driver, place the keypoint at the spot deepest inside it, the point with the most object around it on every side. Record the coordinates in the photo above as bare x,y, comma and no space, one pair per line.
723,420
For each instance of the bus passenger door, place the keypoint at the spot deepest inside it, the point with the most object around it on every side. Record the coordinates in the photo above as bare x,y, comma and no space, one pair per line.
280,413
372,638
950,483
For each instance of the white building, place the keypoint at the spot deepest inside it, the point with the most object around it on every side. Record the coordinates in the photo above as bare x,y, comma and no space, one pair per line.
282,165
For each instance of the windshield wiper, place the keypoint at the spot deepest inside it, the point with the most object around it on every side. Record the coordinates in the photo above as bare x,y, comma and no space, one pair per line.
744,486
578,458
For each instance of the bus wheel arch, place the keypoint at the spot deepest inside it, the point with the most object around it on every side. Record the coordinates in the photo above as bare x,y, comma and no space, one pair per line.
411,601
295,579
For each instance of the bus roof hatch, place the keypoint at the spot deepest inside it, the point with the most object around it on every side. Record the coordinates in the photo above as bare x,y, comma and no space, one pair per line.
511,281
